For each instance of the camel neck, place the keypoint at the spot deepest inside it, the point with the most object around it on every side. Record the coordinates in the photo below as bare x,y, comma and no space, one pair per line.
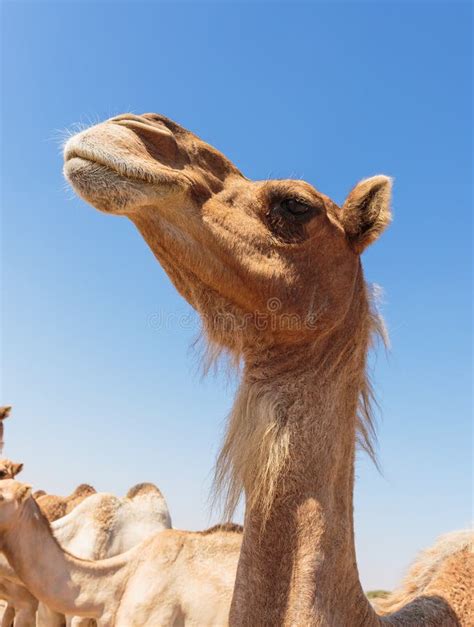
63,582
298,564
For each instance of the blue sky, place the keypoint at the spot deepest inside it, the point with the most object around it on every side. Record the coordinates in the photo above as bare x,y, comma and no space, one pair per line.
328,92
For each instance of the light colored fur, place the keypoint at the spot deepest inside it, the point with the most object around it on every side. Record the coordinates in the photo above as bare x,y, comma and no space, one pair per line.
426,567
256,445
172,578
103,525
55,507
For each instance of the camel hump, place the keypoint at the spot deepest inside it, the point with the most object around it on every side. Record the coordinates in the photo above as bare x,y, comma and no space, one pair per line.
39,493
450,559
84,489
143,488
228,527
5,411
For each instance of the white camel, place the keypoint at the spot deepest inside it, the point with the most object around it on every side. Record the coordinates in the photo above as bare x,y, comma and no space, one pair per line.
102,526
172,578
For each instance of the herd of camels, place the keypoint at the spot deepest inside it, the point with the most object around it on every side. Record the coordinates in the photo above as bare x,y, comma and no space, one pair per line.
273,268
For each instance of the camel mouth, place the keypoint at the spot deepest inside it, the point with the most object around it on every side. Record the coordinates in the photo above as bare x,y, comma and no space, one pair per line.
110,178
83,158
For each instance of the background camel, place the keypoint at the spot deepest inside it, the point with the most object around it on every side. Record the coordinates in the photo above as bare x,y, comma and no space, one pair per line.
172,578
4,413
101,526
19,600
9,469
55,507
430,565
273,268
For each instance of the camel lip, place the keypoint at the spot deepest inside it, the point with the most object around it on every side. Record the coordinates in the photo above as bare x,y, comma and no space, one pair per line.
79,157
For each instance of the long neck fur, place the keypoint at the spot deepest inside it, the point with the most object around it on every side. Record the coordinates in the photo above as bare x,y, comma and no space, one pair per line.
65,583
290,448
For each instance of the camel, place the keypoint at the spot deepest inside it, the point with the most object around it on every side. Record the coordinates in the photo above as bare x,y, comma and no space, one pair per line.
9,469
4,413
99,527
172,578
274,270
427,564
55,507
19,600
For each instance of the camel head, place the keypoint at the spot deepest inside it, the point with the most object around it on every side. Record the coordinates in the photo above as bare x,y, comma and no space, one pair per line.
9,469
13,495
273,261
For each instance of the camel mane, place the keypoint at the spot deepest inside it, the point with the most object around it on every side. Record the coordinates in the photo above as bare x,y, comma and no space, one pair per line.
227,527
256,445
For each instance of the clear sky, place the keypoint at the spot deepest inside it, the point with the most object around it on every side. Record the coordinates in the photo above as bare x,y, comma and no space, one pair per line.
328,92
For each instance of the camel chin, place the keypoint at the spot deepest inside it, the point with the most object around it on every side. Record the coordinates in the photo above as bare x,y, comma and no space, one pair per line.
103,187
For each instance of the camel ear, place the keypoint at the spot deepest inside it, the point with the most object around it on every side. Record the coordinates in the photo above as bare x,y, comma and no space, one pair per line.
366,211
16,469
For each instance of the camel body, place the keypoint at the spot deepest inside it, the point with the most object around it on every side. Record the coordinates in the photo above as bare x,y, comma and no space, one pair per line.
172,578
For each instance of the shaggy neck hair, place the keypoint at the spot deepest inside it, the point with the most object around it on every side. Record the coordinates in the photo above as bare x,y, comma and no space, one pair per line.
331,372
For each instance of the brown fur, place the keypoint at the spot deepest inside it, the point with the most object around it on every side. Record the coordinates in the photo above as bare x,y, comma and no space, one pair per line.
170,577
55,507
106,512
274,270
224,527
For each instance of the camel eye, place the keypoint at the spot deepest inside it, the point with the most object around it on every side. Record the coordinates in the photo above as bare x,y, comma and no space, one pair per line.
287,216
295,207
2,473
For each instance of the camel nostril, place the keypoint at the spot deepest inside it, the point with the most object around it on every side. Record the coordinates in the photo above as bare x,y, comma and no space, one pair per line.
123,117
157,139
